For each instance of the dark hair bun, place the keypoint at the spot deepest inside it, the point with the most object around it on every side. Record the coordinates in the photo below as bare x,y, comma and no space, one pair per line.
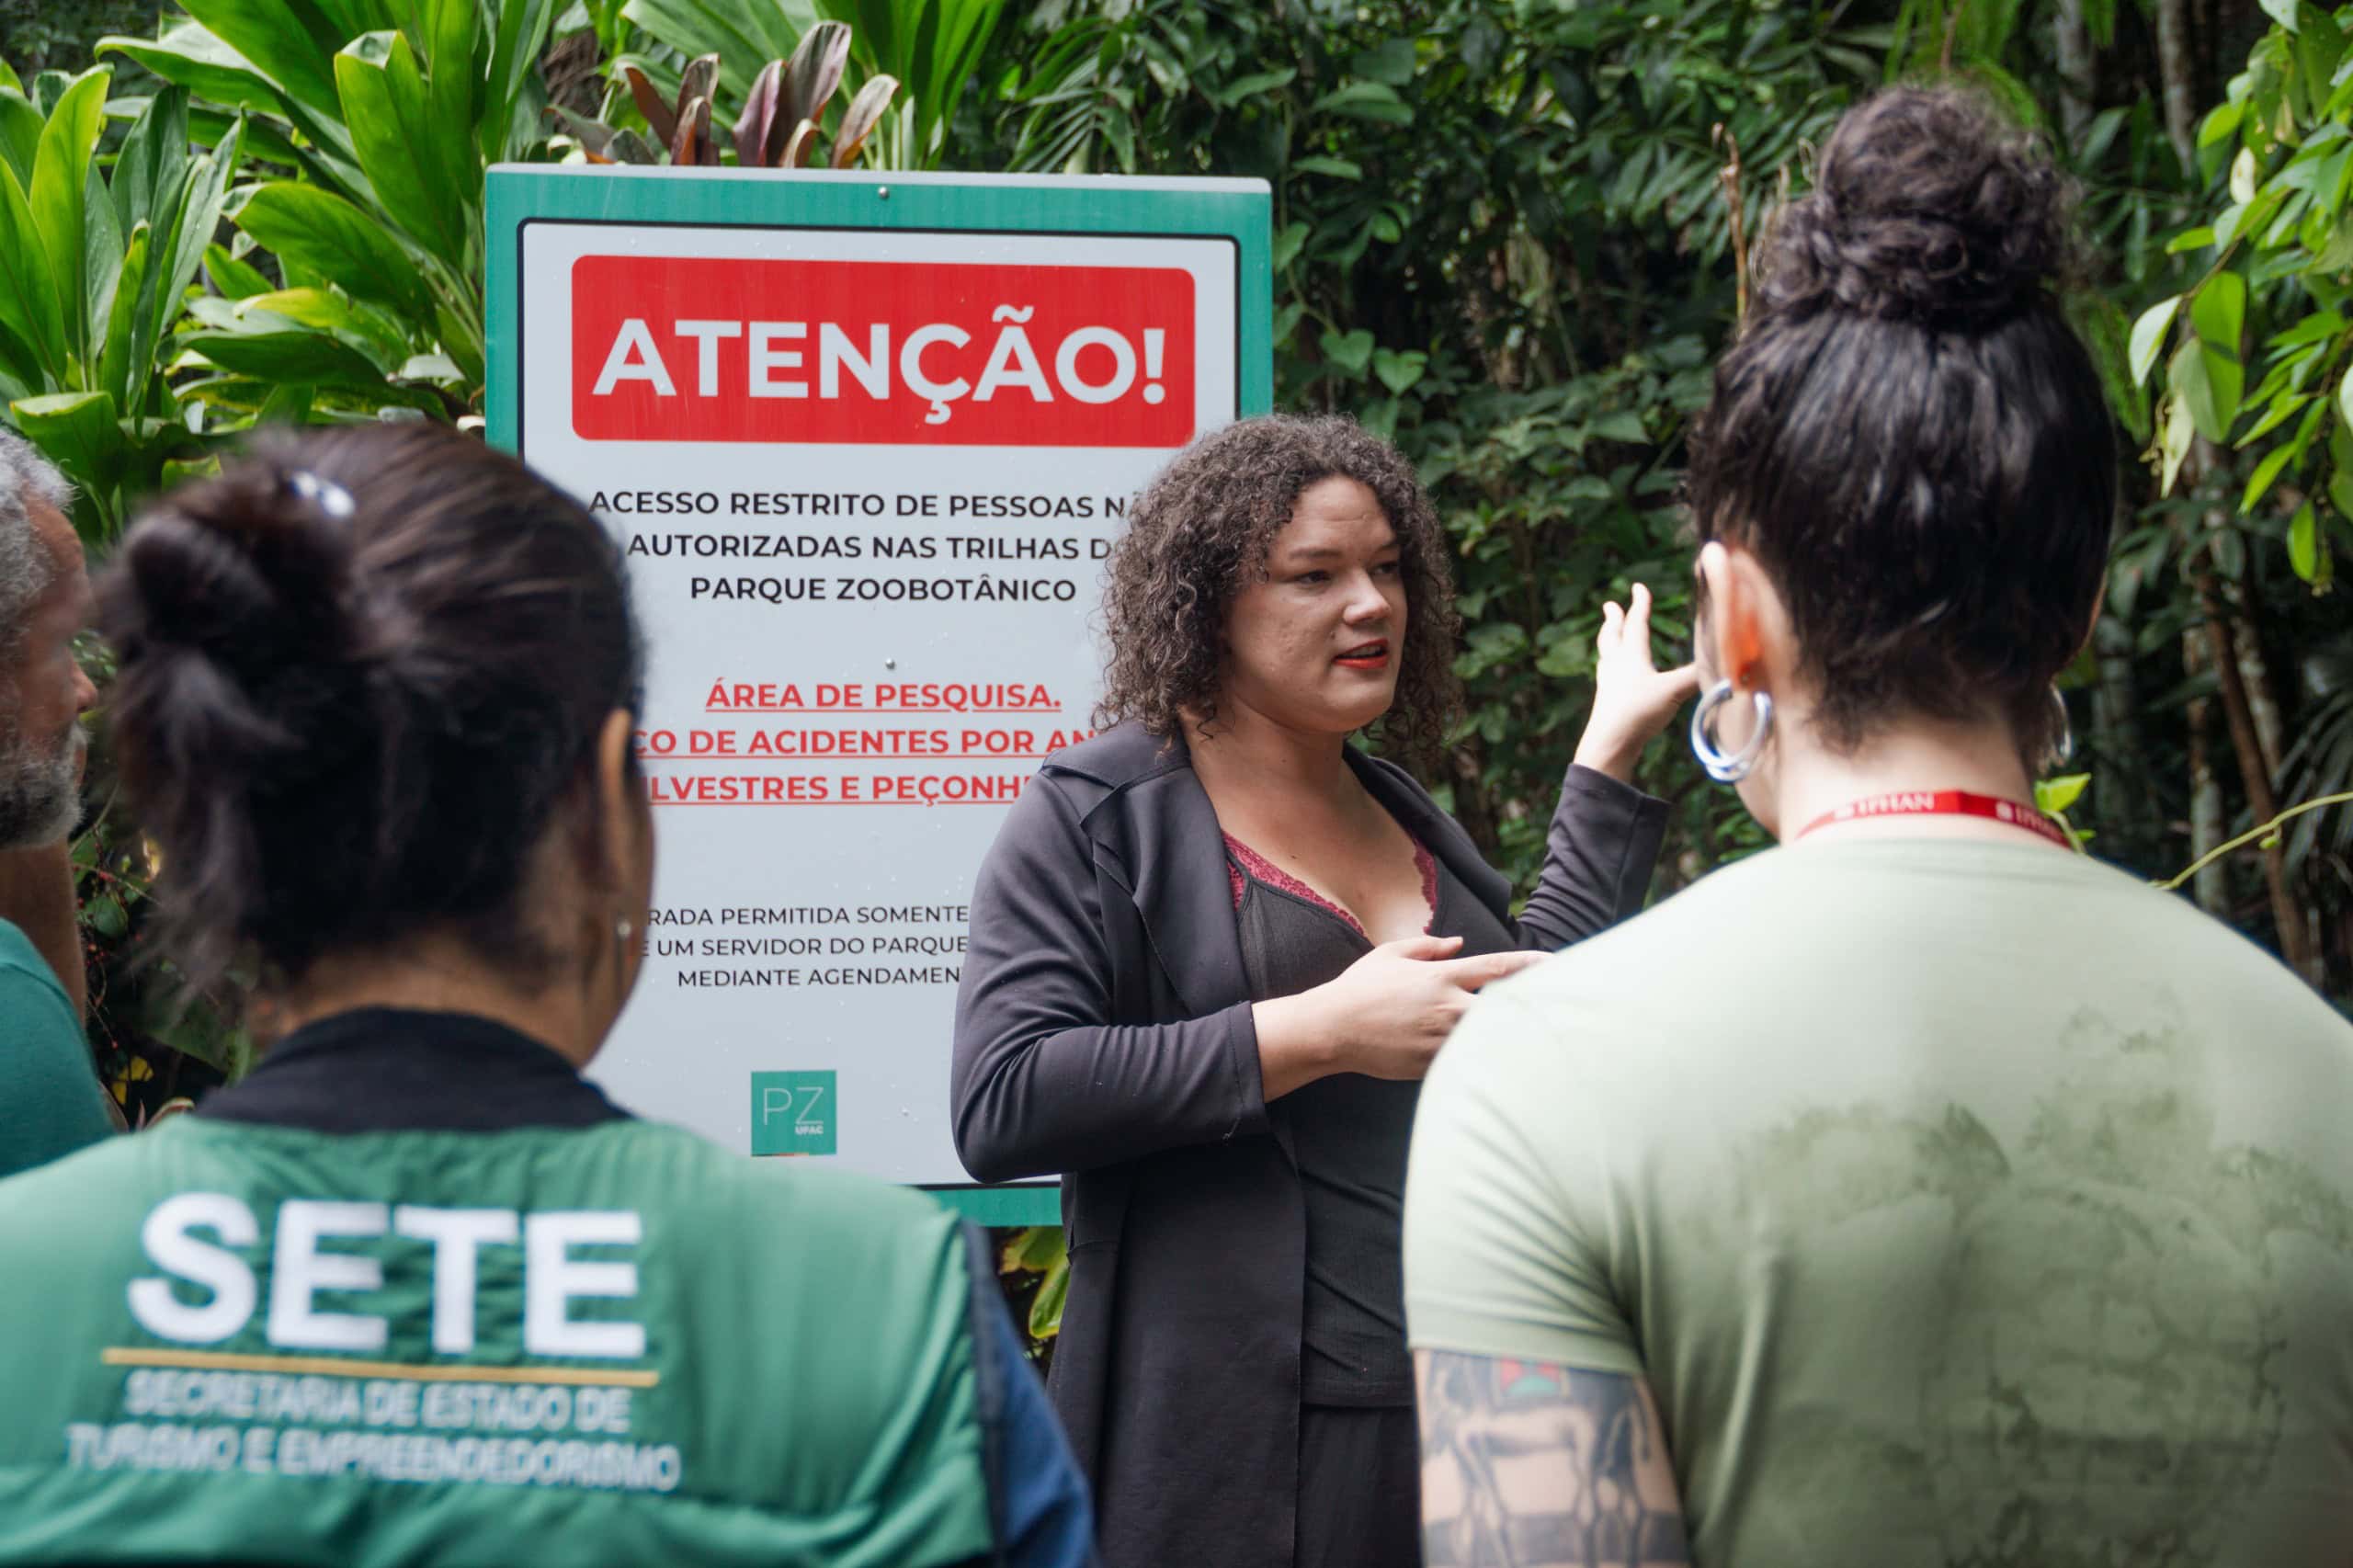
1925,207
236,592
359,671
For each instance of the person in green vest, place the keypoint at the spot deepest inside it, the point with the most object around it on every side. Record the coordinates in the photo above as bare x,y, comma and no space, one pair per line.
414,1292
49,1100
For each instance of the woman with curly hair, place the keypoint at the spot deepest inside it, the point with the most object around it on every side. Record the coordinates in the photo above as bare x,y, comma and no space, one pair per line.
1213,951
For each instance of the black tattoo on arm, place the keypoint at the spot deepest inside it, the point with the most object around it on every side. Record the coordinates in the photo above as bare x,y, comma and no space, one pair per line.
1526,1464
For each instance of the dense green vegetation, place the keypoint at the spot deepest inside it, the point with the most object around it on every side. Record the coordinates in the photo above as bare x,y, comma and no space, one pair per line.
1508,233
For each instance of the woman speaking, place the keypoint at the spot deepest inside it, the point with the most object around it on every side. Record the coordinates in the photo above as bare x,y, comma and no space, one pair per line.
1213,951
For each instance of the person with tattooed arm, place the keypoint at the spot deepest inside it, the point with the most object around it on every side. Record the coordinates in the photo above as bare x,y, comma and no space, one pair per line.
1920,1193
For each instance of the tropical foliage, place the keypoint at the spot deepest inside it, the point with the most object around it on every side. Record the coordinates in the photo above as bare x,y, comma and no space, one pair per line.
2261,357
384,115
930,51
782,125
96,275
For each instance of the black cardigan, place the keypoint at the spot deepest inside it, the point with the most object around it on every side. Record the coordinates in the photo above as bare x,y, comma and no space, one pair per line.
1104,1033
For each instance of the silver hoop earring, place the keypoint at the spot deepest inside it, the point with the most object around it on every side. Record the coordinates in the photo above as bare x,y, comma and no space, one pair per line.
1733,768
2061,749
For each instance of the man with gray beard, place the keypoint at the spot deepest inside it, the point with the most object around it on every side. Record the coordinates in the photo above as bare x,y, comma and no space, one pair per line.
49,1100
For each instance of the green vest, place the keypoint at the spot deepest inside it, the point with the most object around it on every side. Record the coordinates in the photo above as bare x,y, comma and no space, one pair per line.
615,1346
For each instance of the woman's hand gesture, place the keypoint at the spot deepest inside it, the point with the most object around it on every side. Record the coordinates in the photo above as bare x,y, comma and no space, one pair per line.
1633,697
1386,1016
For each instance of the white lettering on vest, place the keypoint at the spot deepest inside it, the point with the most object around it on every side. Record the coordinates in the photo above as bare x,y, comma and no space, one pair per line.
171,1248
458,1235
553,1279
302,1268
299,1270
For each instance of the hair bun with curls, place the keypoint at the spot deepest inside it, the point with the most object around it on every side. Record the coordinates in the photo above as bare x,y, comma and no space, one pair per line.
1926,208
361,672
235,594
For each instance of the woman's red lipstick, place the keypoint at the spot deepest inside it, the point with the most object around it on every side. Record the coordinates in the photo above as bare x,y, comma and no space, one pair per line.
1365,656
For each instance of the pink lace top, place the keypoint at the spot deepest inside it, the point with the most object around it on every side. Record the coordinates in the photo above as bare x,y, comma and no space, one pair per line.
1245,864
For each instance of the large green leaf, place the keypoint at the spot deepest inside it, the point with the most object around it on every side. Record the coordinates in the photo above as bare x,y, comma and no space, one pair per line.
102,260
745,37
28,303
291,42
403,150
2148,335
204,194
78,431
452,70
2208,384
151,170
194,59
319,230
462,340
350,18
19,134
522,35
293,355
2219,312
215,69
1046,1307
932,46
268,140
121,333
233,277
61,184
325,311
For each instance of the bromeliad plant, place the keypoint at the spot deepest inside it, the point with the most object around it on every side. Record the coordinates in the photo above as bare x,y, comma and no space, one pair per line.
782,124
932,49
95,268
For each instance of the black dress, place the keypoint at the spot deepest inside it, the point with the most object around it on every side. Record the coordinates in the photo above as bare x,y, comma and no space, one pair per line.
1359,1463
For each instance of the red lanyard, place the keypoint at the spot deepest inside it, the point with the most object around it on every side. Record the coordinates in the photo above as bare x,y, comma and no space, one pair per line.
1943,803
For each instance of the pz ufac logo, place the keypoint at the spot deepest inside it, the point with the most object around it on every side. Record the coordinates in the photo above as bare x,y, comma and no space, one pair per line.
679,349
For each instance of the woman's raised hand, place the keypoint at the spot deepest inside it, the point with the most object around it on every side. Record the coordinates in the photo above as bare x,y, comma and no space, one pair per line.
1386,1016
1633,697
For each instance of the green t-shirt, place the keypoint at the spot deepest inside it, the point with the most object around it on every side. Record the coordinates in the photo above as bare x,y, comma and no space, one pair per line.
48,1096
1963,1203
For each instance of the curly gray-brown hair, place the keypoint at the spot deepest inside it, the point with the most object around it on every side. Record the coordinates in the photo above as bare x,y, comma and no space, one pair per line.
27,568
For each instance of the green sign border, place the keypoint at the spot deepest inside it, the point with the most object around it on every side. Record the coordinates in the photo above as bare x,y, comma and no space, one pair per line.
1238,210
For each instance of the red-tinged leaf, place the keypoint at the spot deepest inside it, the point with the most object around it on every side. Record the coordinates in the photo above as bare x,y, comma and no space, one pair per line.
815,71
699,80
759,117
801,151
659,117
694,130
865,112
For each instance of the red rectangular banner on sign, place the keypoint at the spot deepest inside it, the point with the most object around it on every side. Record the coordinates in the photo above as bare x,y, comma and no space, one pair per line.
676,348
